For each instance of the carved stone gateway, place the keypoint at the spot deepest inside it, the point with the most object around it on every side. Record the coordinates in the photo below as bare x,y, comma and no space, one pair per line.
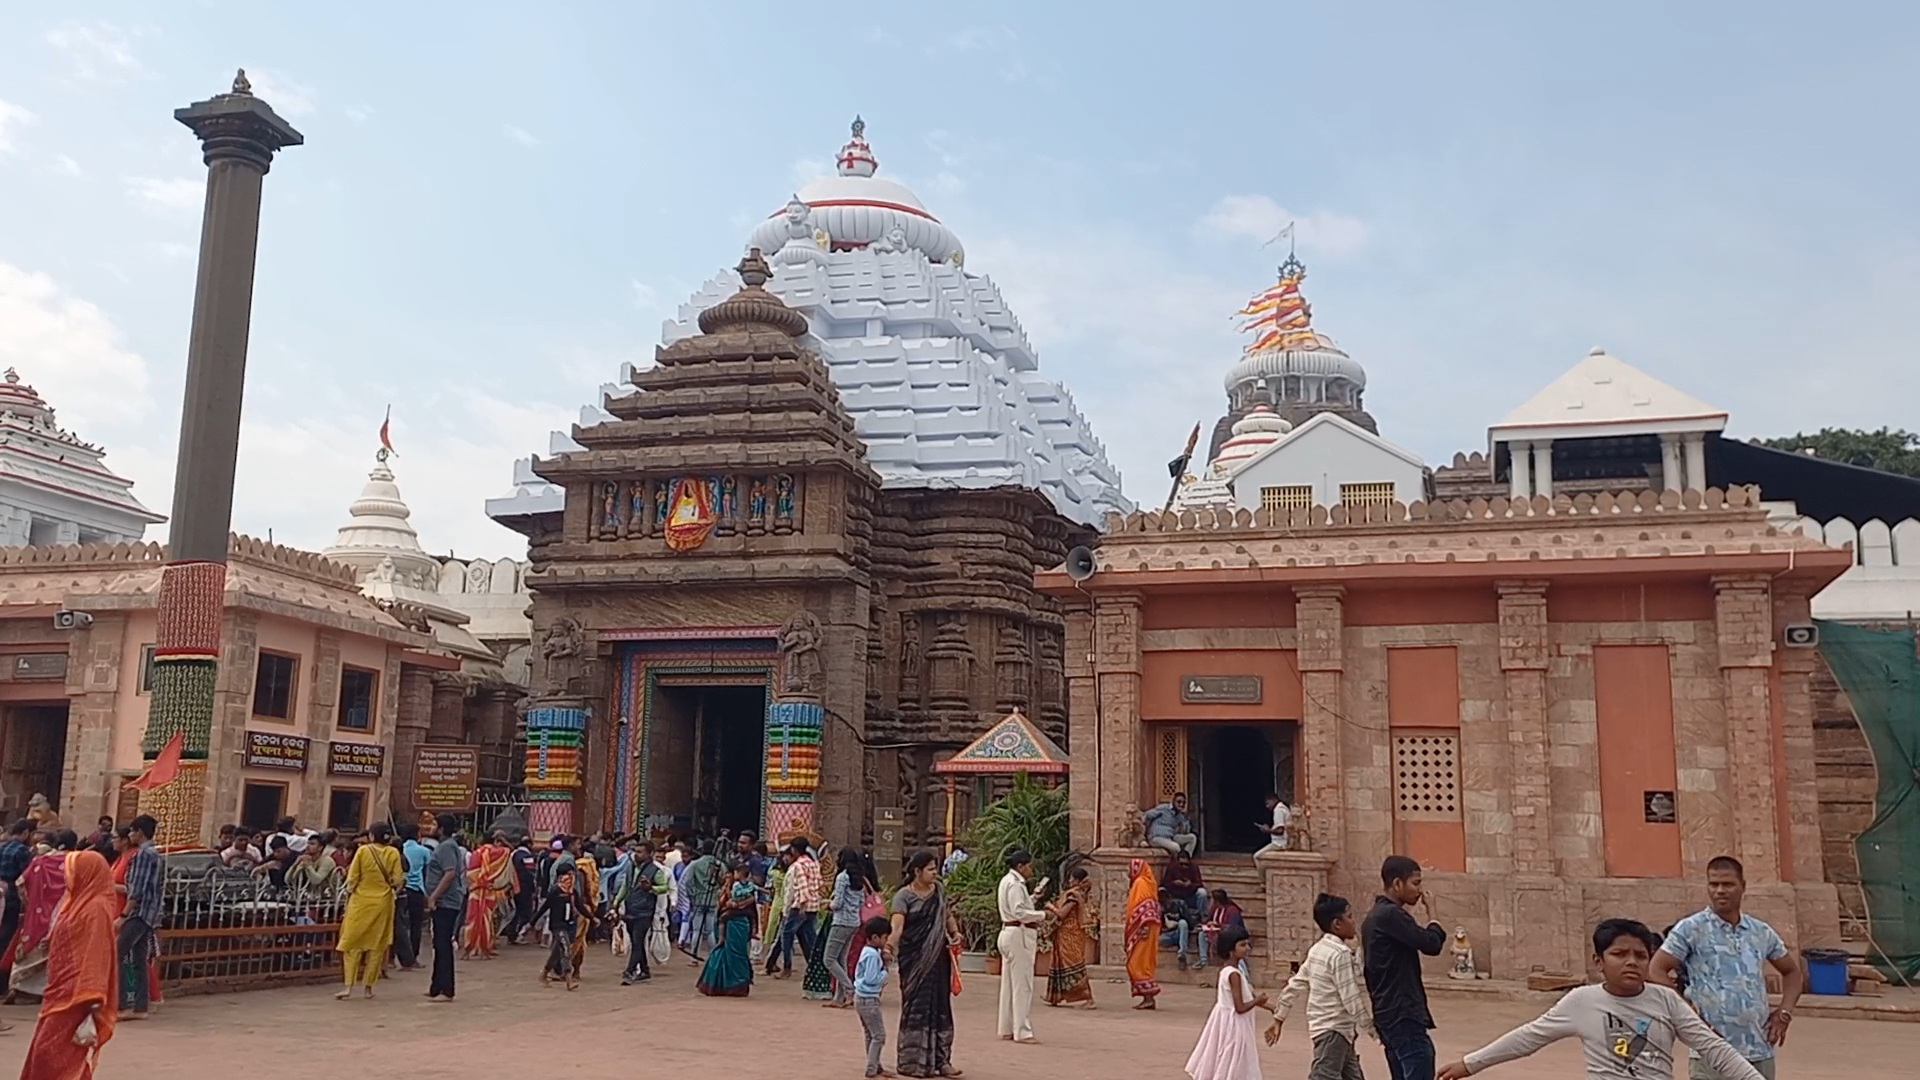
723,538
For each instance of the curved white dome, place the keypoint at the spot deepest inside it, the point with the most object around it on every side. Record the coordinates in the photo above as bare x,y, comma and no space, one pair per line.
1259,428
856,209
1326,362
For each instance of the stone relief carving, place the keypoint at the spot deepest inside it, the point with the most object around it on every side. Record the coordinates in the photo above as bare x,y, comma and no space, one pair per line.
1132,830
561,649
800,653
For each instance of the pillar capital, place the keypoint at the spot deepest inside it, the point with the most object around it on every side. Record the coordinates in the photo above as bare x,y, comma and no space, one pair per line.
1521,588
1319,593
238,127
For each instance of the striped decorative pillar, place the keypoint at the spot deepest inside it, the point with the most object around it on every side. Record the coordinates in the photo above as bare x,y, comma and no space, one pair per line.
186,656
793,765
239,134
555,733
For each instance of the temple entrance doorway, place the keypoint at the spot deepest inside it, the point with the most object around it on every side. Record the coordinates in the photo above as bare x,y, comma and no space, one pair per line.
1231,768
707,756
33,752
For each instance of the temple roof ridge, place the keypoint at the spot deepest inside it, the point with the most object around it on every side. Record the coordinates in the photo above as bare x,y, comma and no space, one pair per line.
1603,391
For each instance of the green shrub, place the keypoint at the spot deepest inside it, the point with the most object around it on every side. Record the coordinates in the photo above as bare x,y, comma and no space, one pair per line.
1030,816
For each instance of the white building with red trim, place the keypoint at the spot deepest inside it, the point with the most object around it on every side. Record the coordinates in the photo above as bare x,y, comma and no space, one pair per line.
54,488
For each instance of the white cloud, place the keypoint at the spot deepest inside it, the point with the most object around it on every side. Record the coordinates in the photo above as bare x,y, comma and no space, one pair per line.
521,135
66,166
808,169
180,195
12,116
645,296
359,114
1257,217
996,45
70,351
287,97
172,251
95,50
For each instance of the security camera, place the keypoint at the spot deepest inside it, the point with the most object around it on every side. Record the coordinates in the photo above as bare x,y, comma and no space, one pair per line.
71,620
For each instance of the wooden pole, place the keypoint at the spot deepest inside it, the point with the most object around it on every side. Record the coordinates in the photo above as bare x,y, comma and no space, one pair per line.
949,814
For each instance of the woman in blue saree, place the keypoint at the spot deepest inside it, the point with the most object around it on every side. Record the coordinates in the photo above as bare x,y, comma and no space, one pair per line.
729,968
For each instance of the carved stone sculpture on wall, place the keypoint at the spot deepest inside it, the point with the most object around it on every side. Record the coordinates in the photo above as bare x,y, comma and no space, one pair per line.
800,654
1132,830
561,649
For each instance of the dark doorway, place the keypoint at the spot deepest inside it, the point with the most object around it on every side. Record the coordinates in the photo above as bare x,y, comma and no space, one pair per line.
707,757
1238,764
33,753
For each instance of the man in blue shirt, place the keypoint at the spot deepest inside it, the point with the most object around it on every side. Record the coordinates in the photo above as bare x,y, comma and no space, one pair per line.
1726,953
146,877
1169,828
412,909
14,857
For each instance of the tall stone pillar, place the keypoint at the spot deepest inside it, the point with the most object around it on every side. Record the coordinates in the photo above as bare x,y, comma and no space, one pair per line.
1743,625
1696,455
1320,619
1083,715
1543,468
794,727
1523,666
1673,475
239,135
410,724
1519,471
1116,677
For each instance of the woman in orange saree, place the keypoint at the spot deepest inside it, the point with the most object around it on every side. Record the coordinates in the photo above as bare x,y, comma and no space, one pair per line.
1143,933
77,1012
1074,922
489,876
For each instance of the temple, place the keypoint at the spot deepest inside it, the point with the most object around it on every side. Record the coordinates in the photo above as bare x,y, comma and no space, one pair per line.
55,488
781,573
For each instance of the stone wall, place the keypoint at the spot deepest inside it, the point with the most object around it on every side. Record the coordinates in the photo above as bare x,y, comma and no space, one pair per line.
1847,780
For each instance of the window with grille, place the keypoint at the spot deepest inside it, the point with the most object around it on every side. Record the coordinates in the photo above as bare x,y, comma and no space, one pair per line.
1286,497
1369,494
1170,768
1426,777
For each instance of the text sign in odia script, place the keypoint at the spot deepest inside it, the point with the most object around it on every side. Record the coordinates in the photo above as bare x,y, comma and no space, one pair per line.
1220,689
269,750
356,759
446,777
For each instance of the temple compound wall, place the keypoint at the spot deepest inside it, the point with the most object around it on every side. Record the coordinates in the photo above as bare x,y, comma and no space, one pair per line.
735,626
1562,708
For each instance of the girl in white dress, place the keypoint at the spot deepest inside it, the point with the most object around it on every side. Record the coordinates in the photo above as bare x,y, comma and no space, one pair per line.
1228,1049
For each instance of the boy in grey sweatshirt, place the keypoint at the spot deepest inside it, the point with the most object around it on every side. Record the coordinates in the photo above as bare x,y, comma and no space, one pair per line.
1626,1027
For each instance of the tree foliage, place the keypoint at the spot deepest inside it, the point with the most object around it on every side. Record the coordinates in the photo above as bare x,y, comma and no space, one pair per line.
1029,816
1888,449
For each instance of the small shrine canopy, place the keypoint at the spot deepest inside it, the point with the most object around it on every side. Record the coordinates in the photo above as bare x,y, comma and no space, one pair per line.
1013,745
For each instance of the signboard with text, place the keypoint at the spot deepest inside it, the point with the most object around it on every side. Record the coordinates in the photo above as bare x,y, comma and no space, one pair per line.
356,759
271,750
446,777
1220,689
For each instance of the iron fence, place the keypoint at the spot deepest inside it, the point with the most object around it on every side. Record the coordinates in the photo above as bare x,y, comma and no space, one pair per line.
232,929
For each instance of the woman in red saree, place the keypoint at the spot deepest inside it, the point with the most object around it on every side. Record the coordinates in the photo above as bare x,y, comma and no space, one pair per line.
490,878
83,992
44,883
1143,933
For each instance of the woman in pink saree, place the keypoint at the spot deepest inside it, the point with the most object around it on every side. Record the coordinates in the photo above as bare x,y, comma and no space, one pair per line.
490,880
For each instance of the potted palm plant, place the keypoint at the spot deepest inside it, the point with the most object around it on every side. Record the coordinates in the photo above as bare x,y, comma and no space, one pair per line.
1030,816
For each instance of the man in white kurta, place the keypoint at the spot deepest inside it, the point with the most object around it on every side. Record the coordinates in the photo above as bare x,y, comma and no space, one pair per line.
1019,941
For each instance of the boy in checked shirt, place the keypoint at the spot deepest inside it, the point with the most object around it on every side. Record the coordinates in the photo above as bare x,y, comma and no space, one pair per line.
1337,1013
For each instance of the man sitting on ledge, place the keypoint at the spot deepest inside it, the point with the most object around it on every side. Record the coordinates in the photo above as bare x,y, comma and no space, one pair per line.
1169,828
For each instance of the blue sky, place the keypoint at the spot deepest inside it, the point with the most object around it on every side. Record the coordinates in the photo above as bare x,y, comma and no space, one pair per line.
498,204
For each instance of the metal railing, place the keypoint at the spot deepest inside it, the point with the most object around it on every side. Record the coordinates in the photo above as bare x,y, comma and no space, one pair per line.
234,930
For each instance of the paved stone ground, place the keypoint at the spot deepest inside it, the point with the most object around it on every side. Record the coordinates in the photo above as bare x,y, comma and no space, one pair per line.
505,1024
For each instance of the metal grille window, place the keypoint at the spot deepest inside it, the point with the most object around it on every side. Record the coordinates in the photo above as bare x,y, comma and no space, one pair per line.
1426,777
1170,772
1368,494
1286,497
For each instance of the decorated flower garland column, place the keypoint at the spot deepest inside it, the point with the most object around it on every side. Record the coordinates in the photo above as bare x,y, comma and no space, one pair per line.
793,765
239,135
554,734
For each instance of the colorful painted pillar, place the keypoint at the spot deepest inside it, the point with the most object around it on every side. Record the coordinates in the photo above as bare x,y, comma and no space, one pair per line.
239,134
555,733
793,765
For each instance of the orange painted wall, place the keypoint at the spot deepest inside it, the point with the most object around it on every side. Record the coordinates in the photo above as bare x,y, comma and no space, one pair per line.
1633,703
1423,687
1423,694
1435,845
1197,611
1162,670
1680,601
1420,607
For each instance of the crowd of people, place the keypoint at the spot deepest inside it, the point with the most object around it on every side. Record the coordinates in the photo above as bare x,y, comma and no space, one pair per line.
82,915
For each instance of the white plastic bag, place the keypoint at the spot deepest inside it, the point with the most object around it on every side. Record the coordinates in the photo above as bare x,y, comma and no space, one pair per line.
86,1034
620,943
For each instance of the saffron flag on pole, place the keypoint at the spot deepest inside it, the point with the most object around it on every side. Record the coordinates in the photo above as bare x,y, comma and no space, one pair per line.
386,429
164,768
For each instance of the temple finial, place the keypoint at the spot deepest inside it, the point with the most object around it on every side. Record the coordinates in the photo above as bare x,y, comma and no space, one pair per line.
12,376
240,83
753,269
859,126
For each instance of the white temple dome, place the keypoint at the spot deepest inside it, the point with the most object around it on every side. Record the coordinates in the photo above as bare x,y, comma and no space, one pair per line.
1259,428
855,209
378,530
